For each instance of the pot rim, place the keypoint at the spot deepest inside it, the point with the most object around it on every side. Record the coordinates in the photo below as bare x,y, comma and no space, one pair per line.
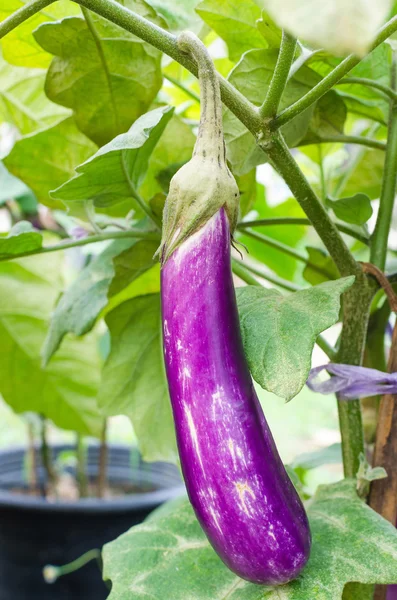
127,503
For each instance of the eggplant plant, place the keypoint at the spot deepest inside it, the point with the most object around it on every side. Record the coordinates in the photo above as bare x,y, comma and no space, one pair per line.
230,170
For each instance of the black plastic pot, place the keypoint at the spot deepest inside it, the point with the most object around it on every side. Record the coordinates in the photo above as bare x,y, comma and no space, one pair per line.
35,532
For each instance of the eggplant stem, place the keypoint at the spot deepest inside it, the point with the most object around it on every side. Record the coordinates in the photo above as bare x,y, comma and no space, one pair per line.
210,142
103,460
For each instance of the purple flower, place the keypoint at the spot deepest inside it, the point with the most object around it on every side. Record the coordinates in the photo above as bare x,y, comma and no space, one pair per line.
352,382
78,232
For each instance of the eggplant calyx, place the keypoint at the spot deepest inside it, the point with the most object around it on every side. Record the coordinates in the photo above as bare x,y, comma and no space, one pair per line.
205,184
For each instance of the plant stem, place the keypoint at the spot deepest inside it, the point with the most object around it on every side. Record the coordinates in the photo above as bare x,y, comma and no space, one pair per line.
370,83
242,272
92,239
374,358
285,164
22,14
279,79
382,228
47,458
322,173
182,87
356,300
274,221
301,60
103,462
32,458
51,572
90,214
346,139
326,348
264,239
81,474
332,78
356,305
283,283
300,221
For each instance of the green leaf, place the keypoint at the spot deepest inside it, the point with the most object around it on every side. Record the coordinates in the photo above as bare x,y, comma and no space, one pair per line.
65,391
235,22
19,46
108,76
116,267
117,170
23,102
350,543
270,31
361,99
325,267
252,76
80,305
134,382
328,119
132,263
375,110
248,189
356,209
375,66
279,332
22,238
325,456
179,14
364,170
173,149
45,159
342,27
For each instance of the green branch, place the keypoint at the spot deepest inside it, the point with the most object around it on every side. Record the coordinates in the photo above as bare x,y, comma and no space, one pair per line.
386,90
264,239
326,348
332,78
346,139
306,54
300,221
283,283
285,164
279,79
182,87
92,239
22,14
388,192
356,305
242,272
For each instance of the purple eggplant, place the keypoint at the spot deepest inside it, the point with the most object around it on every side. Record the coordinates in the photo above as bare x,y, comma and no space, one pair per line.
236,482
